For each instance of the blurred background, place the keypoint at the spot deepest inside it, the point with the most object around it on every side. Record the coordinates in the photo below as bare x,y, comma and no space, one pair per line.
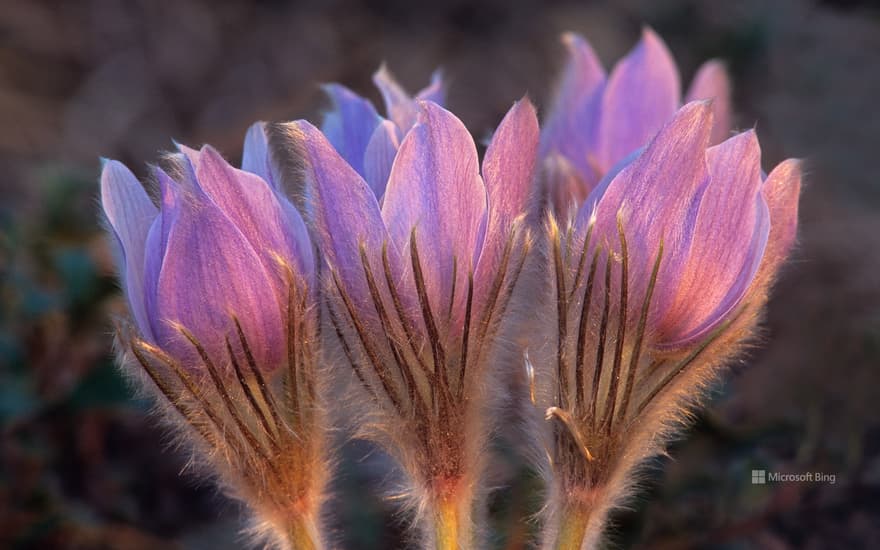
83,465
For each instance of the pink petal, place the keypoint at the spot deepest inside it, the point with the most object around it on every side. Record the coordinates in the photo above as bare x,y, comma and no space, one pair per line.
563,186
255,209
642,93
508,171
572,122
436,189
729,240
657,196
346,213
434,92
588,206
209,273
510,163
781,192
191,158
157,240
399,105
712,82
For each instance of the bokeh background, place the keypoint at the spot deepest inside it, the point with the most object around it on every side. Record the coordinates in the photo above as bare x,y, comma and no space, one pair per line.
83,465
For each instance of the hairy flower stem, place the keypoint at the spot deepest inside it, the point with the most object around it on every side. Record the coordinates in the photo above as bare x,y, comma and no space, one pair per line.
572,528
447,525
302,533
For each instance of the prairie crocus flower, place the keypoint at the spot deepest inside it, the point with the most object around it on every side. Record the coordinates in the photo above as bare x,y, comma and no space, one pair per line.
421,284
367,141
657,281
220,283
597,120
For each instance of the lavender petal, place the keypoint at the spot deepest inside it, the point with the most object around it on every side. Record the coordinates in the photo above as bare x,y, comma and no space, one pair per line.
657,197
380,156
131,213
436,189
729,241
210,273
642,93
350,125
712,82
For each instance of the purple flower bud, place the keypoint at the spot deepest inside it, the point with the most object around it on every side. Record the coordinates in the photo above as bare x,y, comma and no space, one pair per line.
364,139
597,120
658,279
223,246
461,219
402,108
709,208
421,279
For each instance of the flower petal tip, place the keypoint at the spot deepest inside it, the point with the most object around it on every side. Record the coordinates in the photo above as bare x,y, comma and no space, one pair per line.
569,38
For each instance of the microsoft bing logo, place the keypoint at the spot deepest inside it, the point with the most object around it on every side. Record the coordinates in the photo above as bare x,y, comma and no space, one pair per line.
762,477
